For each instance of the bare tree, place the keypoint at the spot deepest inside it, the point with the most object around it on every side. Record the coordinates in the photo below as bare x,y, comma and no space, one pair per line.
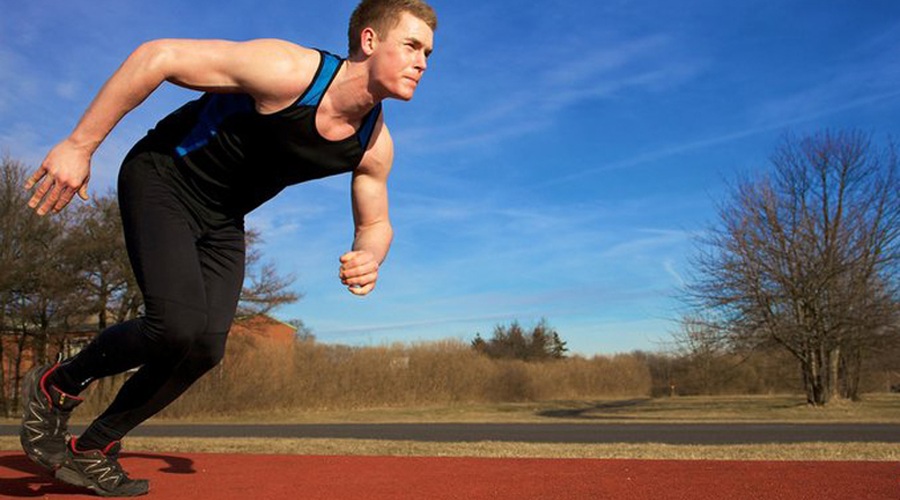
70,273
11,199
35,296
264,288
705,355
96,245
806,258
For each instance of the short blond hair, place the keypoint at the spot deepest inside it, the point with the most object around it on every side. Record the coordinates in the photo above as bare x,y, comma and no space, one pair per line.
383,15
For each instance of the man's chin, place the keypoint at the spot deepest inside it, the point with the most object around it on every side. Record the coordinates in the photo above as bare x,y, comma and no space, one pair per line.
406,96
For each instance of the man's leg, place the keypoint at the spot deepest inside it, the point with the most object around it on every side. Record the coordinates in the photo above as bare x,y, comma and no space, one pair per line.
161,239
222,263
221,259
160,242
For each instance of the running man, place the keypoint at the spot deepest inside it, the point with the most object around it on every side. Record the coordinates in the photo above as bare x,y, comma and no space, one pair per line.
272,114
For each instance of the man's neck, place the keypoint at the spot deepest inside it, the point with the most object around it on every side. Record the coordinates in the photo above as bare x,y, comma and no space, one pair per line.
350,97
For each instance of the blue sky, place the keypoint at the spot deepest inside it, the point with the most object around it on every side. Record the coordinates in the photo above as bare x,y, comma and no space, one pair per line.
557,160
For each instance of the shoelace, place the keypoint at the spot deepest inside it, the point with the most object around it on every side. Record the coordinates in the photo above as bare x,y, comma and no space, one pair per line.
117,468
108,466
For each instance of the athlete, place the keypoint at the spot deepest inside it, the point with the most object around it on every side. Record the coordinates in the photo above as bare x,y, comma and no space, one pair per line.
272,114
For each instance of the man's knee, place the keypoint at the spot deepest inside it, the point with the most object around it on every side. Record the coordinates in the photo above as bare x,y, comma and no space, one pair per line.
172,326
207,352
206,361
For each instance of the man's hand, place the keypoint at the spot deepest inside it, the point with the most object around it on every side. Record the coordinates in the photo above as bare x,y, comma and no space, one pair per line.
359,271
64,172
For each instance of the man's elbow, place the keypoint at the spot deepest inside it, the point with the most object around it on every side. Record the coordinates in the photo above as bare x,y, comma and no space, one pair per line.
156,57
381,228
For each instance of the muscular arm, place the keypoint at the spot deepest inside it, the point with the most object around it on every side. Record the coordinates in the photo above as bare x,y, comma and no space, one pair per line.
372,226
265,69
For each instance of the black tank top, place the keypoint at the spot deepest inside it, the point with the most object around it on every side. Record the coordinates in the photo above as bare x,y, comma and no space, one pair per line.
233,159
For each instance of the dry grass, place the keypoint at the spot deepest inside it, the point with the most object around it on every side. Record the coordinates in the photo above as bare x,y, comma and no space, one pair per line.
448,382
874,408
651,451
882,408
277,379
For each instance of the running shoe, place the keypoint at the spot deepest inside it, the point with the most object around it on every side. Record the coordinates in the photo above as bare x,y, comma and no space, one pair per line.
100,471
45,417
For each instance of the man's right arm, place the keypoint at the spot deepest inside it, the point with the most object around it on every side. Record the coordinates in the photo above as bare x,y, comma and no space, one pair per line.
274,72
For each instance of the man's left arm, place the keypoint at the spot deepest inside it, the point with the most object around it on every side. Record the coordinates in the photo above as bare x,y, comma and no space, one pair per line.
372,225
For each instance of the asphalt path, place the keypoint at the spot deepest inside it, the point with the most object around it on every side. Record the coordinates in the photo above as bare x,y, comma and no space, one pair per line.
698,434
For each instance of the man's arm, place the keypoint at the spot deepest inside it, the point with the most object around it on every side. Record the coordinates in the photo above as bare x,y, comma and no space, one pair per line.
266,69
373,232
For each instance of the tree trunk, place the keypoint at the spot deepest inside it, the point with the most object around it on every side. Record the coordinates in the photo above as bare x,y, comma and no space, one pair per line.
4,401
17,368
850,373
834,368
815,377
811,381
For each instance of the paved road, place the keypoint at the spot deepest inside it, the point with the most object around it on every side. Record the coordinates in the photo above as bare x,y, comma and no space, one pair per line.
702,434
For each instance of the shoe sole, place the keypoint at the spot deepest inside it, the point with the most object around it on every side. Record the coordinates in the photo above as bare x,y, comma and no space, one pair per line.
73,477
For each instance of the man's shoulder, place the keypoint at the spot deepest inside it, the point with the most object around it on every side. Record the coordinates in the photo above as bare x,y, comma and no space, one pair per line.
379,156
292,55
289,69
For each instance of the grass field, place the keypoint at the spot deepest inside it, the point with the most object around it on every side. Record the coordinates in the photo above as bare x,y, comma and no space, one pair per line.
876,408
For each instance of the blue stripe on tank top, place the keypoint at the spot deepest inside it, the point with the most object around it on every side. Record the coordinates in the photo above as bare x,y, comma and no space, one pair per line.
330,64
365,132
217,109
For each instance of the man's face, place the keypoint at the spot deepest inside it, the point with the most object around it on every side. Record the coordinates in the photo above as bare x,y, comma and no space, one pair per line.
401,57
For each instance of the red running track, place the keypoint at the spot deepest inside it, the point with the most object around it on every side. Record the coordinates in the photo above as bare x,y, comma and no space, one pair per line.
264,477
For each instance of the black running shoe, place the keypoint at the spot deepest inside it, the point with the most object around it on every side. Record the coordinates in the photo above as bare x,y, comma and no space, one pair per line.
99,470
45,418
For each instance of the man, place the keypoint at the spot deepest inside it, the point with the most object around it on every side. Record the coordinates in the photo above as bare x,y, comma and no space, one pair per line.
273,114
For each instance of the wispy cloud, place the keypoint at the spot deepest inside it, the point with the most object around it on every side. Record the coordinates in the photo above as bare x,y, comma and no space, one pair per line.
605,60
19,82
286,215
23,143
647,240
338,331
526,98
670,268
67,90
645,64
777,114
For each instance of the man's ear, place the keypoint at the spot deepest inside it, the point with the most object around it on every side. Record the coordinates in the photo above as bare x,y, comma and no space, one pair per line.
368,41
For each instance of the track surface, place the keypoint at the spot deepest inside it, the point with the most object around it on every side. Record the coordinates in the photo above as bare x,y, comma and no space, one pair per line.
258,477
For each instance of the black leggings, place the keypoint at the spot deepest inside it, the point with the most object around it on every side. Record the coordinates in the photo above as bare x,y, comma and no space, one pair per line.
190,275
